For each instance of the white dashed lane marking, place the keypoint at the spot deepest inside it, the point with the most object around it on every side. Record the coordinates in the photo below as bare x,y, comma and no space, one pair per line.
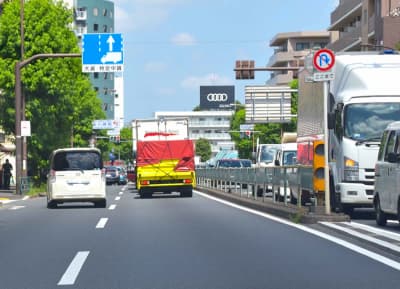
102,223
74,268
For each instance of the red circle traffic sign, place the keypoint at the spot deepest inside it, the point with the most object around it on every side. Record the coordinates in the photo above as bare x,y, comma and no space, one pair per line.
324,59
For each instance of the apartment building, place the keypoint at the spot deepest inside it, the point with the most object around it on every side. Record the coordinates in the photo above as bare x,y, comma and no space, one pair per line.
213,125
97,16
365,25
289,51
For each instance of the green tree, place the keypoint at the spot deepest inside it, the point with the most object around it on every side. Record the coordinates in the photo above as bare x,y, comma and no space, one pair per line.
60,101
125,146
203,149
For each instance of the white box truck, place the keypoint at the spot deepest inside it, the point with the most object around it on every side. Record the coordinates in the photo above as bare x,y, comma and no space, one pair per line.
363,98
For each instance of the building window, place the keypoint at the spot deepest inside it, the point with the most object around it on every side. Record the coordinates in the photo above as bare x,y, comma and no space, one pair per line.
320,44
195,131
96,89
96,75
105,90
95,27
111,30
111,76
105,75
104,28
105,106
95,11
104,12
302,46
111,14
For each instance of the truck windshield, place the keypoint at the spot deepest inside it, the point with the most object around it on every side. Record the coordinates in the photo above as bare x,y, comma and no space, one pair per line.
267,154
367,121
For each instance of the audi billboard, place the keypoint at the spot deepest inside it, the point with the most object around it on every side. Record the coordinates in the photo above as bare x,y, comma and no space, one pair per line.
217,97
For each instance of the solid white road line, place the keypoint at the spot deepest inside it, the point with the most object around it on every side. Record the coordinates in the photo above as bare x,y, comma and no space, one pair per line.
74,268
363,236
17,207
377,231
348,245
112,207
121,193
117,198
102,223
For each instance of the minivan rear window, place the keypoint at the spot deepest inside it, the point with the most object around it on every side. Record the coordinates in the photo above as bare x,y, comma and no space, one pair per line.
65,161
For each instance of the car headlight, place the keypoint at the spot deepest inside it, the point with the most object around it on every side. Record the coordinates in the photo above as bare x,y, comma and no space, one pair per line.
351,168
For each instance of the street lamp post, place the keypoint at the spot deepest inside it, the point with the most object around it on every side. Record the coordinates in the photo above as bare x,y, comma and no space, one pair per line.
19,112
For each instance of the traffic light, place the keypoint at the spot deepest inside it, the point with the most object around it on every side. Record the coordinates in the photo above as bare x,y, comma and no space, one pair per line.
319,166
244,69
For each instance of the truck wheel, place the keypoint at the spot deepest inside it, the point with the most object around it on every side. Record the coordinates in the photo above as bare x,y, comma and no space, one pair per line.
187,193
144,194
381,218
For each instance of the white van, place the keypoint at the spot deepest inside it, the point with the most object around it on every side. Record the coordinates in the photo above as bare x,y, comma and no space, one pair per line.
76,175
387,176
285,157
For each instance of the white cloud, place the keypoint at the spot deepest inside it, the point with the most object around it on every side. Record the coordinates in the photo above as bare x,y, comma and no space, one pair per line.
183,39
155,66
139,14
194,82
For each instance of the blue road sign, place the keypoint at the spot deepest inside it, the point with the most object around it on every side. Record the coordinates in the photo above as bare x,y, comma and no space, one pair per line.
102,52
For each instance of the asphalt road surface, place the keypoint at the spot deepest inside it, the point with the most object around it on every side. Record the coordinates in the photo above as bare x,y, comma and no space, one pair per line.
169,242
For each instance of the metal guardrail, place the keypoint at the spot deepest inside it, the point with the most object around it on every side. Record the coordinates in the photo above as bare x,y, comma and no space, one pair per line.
259,182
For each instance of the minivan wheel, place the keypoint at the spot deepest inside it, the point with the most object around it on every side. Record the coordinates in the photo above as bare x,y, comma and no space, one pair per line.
381,218
101,204
51,204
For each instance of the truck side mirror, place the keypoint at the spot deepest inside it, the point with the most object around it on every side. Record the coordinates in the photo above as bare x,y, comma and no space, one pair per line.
277,163
331,120
392,157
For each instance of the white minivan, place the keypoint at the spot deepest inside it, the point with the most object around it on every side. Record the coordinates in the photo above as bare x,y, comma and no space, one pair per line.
76,175
387,176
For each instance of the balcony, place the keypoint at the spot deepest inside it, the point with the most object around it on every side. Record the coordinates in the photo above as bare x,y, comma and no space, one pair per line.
282,58
211,124
211,136
347,40
344,10
80,30
80,15
280,79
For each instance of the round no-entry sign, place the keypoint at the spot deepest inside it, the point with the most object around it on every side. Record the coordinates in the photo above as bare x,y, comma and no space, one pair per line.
324,59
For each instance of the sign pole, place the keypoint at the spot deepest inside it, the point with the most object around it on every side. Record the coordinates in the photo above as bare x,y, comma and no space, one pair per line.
326,154
324,61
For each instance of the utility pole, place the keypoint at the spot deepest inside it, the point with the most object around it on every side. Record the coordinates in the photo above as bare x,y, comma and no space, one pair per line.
19,111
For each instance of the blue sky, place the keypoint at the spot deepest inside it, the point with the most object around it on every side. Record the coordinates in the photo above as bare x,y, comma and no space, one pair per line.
173,46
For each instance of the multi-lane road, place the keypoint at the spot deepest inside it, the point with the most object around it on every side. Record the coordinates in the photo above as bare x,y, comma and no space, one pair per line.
200,242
